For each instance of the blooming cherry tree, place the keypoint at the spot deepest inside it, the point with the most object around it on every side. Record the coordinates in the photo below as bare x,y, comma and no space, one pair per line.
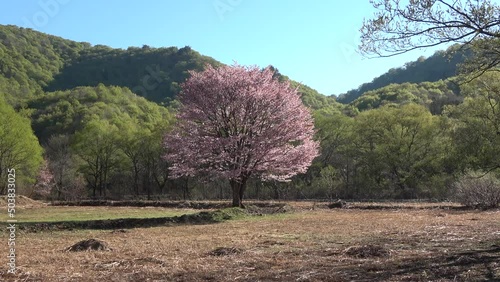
44,181
239,122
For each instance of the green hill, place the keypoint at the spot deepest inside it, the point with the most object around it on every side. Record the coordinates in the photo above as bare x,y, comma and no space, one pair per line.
32,63
154,73
440,66
29,60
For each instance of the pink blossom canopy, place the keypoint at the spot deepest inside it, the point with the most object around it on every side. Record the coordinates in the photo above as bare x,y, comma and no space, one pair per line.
238,122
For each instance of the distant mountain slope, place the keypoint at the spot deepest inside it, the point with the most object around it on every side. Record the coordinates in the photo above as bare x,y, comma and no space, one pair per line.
32,63
29,60
441,65
154,73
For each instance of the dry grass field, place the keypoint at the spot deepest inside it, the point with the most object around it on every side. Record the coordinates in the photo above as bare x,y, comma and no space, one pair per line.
397,243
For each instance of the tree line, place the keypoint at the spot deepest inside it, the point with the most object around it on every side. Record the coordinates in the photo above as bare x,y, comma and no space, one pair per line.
106,142
406,140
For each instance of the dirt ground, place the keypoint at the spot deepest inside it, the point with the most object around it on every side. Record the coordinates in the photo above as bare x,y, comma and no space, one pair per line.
398,243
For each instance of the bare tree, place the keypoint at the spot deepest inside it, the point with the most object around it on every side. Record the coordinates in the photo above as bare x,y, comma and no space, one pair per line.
60,162
402,26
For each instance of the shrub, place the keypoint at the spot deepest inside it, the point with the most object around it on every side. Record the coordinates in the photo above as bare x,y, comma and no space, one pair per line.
478,191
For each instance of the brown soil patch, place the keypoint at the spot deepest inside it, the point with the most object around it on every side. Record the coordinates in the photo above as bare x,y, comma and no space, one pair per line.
366,251
267,210
339,204
222,251
89,245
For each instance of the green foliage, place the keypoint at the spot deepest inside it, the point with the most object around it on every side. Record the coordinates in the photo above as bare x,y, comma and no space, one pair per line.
327,183
154,73
144,153
32,63
440,66
392,151
477,124
96,145
19,148
335,134
400,148
312,99
68,183
65,112
29,60
433,95
389,141
116,135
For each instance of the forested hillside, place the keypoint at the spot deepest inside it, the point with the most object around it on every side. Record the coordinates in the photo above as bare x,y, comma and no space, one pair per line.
440,66
154,73
33,63
29,60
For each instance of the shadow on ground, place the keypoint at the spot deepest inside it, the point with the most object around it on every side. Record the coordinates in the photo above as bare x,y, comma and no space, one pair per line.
476,265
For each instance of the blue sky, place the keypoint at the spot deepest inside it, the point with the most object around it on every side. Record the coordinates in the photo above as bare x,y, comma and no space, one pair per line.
313,42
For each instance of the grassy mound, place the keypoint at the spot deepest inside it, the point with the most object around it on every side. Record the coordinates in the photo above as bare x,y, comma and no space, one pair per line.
22,202
165,204
89,245
125,223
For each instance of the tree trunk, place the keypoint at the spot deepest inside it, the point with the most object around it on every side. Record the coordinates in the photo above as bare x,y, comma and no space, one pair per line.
186,189
238,187
136,179
242,190
236,194
160,183
59,188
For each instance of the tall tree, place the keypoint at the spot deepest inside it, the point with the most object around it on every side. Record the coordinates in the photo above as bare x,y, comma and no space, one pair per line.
44,182
400,149
19,147
477,131
401,26
239,122
97,146
156,167
336,137
61,163
131,143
